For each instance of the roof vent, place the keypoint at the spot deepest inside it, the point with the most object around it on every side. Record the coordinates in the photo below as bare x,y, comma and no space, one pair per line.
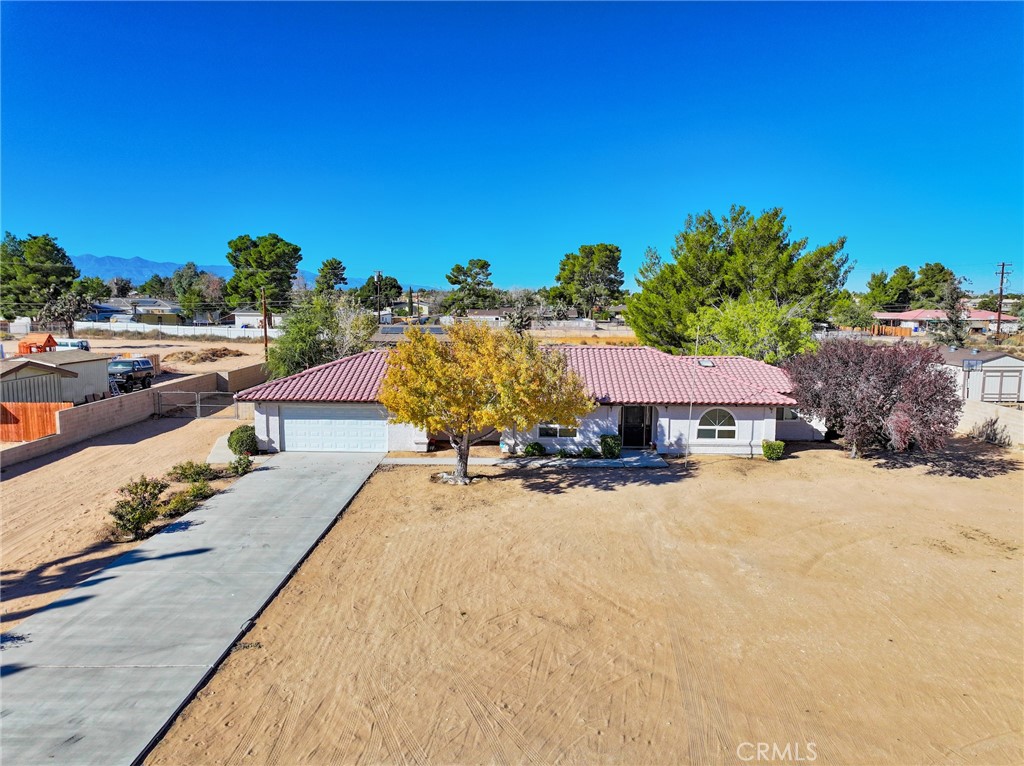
974,351
952,348
705,362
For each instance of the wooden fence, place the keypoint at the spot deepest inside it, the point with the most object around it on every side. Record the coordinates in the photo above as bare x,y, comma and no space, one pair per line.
898,332
25,421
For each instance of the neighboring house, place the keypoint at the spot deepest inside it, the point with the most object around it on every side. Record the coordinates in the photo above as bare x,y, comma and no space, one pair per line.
141,304
24,379
250,318
987,376
724,405
926,320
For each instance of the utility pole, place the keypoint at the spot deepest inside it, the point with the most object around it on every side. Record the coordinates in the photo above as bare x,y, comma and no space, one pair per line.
376,284
999,302
266,336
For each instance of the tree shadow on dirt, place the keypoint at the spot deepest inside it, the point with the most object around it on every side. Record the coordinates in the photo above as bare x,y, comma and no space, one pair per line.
69,571
556,480
962,458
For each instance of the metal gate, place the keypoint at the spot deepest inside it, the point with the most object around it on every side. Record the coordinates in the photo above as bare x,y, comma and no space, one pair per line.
192,404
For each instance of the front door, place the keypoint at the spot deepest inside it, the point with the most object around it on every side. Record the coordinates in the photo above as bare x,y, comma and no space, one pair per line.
635,427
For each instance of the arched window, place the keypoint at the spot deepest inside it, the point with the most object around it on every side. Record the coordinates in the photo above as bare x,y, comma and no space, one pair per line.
716,424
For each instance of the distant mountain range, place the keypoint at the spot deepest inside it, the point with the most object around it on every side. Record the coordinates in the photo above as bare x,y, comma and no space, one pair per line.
138,270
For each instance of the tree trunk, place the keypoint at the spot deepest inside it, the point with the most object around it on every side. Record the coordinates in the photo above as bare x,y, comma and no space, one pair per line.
71,328
462,461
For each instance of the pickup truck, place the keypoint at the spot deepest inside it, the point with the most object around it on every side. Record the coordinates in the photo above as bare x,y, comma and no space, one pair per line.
131,372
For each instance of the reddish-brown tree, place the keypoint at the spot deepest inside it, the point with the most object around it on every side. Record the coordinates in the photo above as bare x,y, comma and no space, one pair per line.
878,397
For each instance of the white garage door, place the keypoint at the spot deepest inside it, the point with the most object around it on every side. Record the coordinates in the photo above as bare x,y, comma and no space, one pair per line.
334,428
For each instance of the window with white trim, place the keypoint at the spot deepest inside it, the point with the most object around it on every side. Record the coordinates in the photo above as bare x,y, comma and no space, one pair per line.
785,413
554,431
716,424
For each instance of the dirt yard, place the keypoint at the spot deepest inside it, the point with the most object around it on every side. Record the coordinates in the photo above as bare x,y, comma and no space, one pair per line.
252,352
855,611
55,521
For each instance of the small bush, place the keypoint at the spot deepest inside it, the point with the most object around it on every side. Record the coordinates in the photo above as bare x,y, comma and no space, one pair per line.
611,446
534,449
562,452
137,507
200,490
773,450
991,431
589,452
190,471
241,465
242,441
179,504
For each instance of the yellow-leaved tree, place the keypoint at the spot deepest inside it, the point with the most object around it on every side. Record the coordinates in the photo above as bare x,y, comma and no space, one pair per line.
477,380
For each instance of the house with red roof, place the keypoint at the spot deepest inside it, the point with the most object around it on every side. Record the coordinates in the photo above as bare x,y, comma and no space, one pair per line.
677,404
923,320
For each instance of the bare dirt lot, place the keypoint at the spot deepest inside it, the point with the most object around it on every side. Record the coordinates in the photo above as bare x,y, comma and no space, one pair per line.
55,508
252,352
859,611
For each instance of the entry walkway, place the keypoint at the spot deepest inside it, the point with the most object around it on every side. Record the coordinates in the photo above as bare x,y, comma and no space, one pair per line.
95,677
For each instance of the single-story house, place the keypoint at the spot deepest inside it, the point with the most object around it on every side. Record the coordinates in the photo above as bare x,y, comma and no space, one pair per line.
725,405
142,304
987,376
250,318
924,320
25,379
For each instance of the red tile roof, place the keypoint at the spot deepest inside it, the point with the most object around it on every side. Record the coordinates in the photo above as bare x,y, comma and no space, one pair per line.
921,315
642,375
630,375
354,378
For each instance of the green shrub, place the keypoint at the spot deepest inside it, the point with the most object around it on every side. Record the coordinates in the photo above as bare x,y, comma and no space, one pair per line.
534,449
562,452
190,471
137,508
773,450
611,446
200,490
188,499
241,465
179,504
589,452
242,441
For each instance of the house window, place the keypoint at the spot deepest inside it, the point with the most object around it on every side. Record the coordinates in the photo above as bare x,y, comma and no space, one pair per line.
553,431
716,424
785,413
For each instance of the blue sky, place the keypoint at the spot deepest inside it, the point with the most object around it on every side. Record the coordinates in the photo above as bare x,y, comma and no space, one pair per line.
409,137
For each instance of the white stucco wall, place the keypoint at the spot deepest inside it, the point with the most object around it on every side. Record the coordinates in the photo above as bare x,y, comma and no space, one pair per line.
403,437
267,422
673,430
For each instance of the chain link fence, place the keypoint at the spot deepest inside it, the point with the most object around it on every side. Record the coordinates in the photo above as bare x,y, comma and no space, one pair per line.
203,404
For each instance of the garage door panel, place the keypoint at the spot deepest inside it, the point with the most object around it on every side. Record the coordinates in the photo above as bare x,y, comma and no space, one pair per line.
334,428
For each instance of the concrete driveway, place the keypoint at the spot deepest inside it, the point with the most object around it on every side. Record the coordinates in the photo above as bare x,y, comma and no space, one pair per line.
95,677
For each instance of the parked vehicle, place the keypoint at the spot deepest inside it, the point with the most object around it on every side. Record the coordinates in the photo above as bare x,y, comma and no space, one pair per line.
66,343
123,319
129,373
